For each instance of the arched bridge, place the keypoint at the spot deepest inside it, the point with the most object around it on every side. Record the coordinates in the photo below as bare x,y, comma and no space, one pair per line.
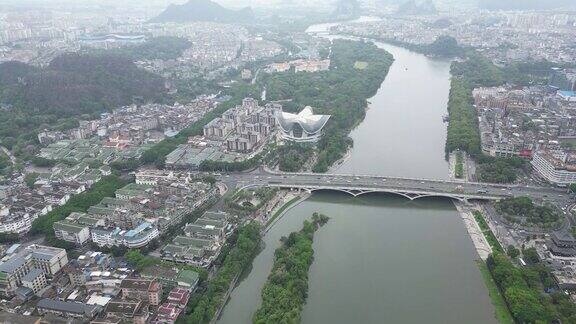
410,188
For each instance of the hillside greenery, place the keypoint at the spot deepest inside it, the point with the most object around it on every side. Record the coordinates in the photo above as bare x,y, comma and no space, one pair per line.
71,87
203,10
286,289
5,164
157,48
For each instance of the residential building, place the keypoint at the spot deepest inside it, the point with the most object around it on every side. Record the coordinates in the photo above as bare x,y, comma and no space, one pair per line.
562,243
47,259
148,290
557,167
124,311
35,280
67,309
133,238
71,232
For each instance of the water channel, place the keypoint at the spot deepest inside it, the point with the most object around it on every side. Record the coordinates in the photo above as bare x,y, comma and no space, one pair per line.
384,259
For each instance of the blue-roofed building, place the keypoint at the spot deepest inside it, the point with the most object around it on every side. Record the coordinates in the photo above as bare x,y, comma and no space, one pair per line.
137,237
13,248
567,95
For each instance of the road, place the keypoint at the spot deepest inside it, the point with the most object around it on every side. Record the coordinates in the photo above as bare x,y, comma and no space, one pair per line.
9,154
411,188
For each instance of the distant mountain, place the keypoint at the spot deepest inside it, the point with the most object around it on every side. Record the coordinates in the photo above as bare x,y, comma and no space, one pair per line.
412,7
526,4
203,10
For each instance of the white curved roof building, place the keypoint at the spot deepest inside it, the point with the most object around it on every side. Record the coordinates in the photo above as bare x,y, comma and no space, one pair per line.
302,127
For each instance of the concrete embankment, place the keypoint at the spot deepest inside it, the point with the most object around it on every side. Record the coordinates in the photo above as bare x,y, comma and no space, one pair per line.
480,243
290,201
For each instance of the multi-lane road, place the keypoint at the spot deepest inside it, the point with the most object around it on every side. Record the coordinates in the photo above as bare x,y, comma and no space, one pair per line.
410,188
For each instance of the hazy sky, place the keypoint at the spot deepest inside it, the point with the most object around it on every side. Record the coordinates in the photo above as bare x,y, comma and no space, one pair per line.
232,3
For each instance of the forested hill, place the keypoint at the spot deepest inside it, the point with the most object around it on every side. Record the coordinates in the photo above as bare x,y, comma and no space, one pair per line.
203,10
76,84
72,87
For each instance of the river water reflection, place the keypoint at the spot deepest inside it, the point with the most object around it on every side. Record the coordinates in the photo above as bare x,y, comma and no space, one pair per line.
381,258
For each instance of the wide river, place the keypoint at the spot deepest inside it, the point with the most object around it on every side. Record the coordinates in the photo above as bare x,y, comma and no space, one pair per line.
381,258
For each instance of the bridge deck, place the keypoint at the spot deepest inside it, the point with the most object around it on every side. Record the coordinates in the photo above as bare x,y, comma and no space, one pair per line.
410,188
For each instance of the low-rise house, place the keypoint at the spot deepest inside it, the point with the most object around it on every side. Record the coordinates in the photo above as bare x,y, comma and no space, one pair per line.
188,279
67,309
209,232
148,290
124,311
71,232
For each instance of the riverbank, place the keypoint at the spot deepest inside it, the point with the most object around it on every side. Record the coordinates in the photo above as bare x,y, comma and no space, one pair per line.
501,311
290,201
476,234
477,231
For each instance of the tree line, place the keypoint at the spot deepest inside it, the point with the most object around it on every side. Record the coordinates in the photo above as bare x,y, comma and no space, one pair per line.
106,187
530,292
239,256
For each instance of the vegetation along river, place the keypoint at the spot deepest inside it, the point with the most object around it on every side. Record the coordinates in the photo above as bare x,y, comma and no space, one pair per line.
382,258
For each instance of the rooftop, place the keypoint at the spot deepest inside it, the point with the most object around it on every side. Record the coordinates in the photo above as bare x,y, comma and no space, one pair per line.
188,277
68,226
127,308
136,283
32,275
309,122
68,307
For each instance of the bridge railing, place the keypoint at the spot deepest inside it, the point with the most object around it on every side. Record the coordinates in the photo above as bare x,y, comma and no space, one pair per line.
366,176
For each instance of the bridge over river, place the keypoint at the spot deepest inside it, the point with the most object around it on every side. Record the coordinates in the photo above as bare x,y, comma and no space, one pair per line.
407,187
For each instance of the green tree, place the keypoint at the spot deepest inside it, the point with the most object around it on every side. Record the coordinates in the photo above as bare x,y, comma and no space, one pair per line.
512,251
30,179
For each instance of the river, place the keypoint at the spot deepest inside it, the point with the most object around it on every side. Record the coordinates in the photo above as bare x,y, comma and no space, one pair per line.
381,258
